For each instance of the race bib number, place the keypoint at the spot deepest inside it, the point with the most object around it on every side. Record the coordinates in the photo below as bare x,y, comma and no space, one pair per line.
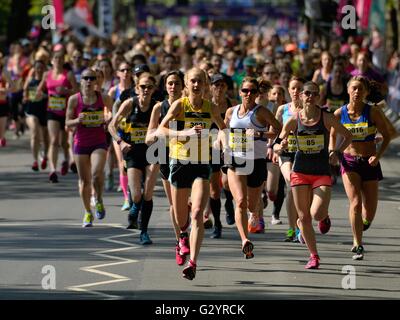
311,144
57,103
240,142
359,130
190,123
32,95
138,135
292,143
93,119
237,142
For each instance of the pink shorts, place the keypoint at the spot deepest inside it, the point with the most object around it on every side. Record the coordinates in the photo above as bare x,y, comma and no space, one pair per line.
300,179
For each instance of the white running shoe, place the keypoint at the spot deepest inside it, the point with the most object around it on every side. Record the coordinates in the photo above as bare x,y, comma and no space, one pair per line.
275,221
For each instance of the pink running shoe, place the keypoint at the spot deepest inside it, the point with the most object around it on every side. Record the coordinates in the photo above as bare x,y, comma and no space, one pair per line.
180,259
313,263
64,168
43,164
184,244
324,225
190,270
35,166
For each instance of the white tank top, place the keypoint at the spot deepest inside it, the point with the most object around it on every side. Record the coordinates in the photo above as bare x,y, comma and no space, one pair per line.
241,145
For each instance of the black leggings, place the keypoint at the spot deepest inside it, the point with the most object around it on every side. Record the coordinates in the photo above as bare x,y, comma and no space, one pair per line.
17,111
280,197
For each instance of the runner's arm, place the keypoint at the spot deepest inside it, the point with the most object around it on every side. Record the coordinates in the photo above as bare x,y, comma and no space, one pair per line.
151,135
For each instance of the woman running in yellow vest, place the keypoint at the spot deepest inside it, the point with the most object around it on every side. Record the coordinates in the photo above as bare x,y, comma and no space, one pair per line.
187,125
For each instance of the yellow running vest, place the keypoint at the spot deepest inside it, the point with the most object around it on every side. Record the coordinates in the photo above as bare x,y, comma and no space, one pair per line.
192,149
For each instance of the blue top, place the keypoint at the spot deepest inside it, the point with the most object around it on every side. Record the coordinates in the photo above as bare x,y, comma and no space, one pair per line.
363,129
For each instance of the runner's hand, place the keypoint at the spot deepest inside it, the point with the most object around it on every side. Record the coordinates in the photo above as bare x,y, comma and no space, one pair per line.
125,147
373,161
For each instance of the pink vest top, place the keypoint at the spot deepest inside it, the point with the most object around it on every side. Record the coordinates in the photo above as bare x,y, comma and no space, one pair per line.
91,131
57,103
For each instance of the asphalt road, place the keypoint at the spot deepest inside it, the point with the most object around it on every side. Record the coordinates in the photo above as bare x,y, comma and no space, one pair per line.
41,236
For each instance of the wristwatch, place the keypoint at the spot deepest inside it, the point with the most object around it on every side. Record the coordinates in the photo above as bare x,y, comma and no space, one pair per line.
119,140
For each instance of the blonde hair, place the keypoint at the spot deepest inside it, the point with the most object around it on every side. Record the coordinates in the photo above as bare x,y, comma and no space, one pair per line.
197,70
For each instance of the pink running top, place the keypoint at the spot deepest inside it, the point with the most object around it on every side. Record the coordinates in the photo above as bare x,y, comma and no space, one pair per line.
57,103
91,131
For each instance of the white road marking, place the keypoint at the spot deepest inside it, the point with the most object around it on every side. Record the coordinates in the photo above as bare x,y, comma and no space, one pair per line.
115,277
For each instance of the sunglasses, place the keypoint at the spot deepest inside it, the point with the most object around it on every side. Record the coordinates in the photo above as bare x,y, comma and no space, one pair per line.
252,91
310,93
87,78
125,70
144,87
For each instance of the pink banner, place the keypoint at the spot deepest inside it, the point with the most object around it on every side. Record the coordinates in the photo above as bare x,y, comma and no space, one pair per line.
363,8
59,8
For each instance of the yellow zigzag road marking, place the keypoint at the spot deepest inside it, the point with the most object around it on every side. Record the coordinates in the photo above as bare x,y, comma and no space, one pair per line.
115,277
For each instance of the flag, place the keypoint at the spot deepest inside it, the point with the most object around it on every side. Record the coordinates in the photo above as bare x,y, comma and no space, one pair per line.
84,11
59,9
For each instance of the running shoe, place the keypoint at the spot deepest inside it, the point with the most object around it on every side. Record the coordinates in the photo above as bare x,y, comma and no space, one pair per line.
180,258
87,220
184,243
100,211
43,163
230,212
145,238
359,253
290,235
300,238
125,206
208,224
64,168
354,249
35,166
366,224
275,221
313,263
216,233
53,178
247,249
73,167
132,221
3,142
190,271
324,225
252,224
260,226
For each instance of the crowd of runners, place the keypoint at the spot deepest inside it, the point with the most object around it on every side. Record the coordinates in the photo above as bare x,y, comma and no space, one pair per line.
222,119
